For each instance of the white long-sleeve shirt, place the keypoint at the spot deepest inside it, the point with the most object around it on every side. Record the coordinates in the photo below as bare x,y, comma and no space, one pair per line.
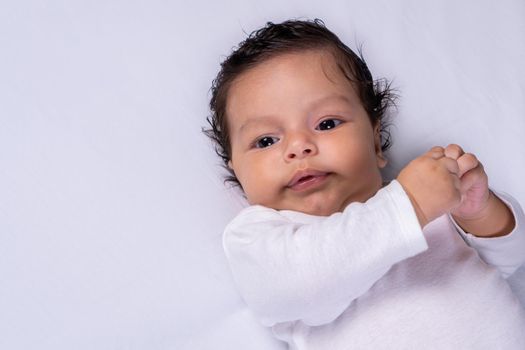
370,278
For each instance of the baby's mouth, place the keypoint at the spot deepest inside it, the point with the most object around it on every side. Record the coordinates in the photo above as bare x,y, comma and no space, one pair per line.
306,179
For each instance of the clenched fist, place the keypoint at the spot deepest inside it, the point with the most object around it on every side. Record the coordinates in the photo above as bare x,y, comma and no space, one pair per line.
448,180
432,181
474,184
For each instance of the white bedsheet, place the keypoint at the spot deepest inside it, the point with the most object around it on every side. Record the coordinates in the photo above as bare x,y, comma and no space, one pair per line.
111,200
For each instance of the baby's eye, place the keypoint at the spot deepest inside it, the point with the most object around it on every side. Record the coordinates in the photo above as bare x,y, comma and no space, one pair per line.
328,124
265,141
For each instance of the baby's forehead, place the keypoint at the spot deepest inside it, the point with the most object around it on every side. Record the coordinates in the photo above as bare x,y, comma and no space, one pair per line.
305,83
323,58
287,65
285,74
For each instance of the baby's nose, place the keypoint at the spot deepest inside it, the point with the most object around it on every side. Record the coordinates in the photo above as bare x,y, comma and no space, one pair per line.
299,147
301,154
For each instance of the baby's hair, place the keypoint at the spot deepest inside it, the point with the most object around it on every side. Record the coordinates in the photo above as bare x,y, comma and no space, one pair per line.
291,37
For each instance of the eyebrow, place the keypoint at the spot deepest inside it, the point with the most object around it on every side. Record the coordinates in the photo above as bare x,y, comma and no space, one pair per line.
257,120
316,104
328,98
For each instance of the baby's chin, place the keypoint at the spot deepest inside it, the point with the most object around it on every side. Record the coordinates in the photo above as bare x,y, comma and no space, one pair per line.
320,209
322,212
321,203
328,207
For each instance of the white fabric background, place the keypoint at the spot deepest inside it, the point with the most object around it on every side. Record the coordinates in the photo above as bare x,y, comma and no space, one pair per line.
111,200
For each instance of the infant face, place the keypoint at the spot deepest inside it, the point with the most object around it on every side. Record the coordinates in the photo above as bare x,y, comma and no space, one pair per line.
300,138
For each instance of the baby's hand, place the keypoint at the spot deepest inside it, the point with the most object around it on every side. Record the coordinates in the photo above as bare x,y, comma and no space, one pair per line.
474,186
480,213
432,184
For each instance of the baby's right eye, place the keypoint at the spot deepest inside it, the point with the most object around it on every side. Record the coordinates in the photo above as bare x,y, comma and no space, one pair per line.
265,141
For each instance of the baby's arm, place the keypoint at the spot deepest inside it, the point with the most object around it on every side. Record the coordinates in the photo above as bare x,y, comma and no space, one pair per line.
311,271
487,223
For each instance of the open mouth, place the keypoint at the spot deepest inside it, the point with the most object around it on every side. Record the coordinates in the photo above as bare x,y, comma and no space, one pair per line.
308,179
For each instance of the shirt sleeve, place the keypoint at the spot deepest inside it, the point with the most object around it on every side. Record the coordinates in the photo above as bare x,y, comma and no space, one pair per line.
288,271
507,253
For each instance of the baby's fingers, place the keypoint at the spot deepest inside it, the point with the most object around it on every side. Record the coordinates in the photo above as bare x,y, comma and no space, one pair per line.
467,162
453,151
436,152
453,169
473,178
451,165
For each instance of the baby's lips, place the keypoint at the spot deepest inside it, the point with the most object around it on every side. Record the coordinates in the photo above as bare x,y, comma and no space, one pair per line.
301,175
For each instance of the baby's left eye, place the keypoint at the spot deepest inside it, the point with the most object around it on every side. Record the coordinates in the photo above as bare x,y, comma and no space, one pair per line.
328,124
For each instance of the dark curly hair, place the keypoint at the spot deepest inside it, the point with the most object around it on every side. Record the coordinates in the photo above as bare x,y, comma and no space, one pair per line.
288,37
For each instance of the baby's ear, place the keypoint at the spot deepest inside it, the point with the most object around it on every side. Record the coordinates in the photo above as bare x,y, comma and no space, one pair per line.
381,160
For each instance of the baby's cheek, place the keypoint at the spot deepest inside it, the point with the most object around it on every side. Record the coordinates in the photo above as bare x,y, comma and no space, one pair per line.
258,190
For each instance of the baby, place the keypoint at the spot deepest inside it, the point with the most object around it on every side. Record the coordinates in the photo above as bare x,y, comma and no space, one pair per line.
326,254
